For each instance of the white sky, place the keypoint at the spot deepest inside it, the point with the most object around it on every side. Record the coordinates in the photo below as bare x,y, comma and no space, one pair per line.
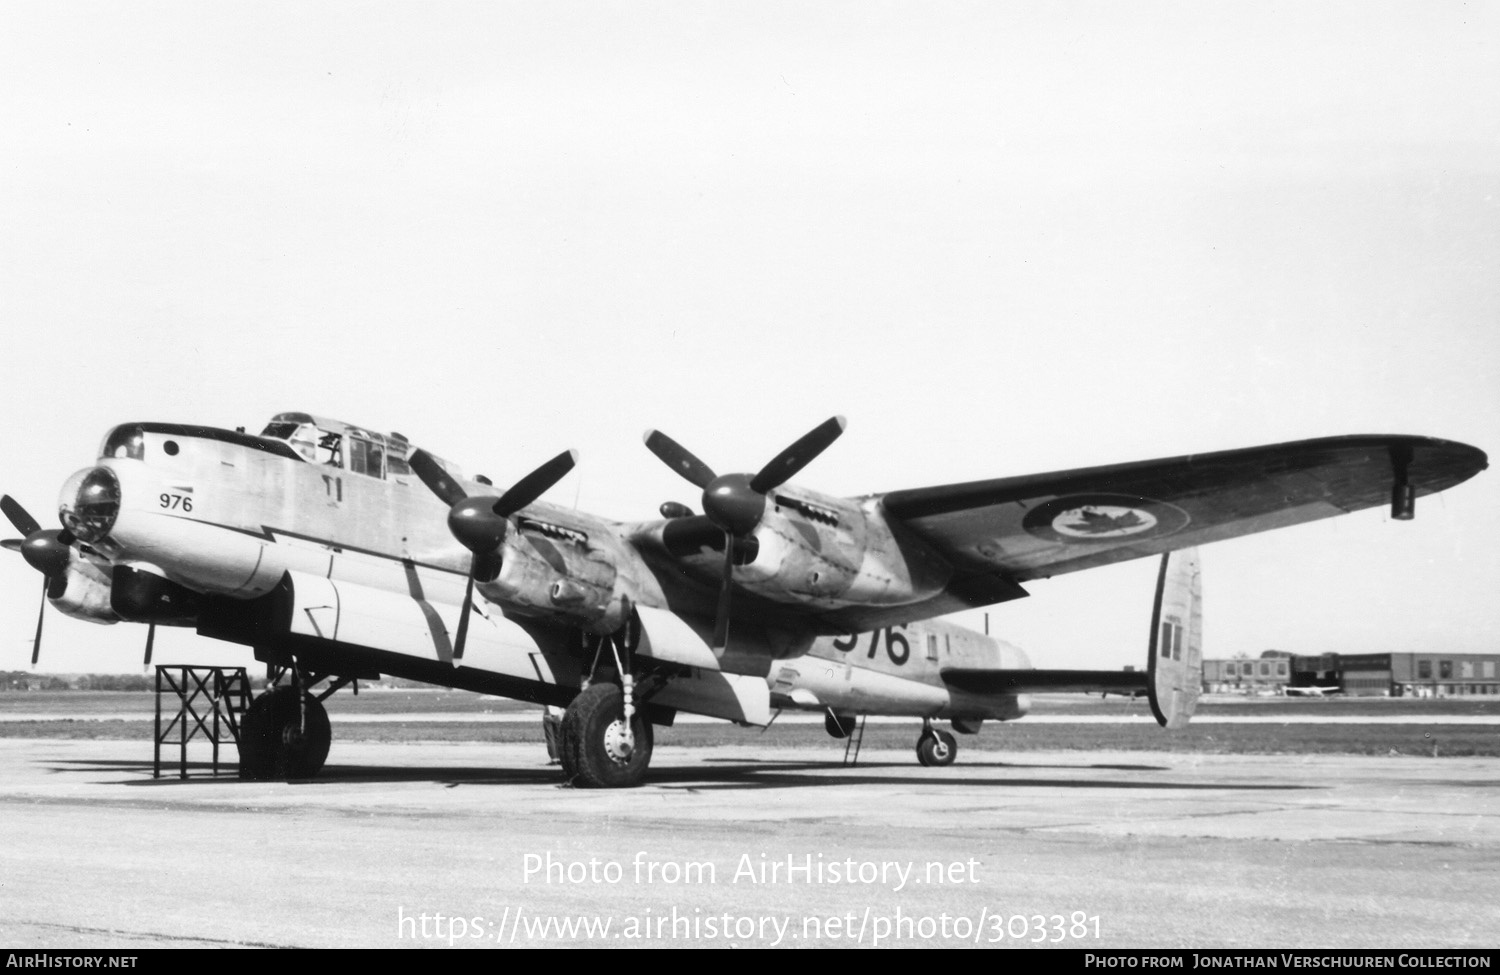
1000,238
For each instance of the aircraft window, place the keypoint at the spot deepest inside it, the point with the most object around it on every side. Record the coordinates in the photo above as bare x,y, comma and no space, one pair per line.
396,465
1166,640
312,444
932,653
366,457
126,441
332,446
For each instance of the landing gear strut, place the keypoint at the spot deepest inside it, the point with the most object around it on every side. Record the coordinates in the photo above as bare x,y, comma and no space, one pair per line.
606,741
936,748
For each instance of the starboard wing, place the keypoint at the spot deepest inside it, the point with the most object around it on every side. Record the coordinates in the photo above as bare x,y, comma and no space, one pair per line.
1021,528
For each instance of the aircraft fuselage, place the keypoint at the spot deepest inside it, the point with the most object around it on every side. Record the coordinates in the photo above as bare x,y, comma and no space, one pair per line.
359,551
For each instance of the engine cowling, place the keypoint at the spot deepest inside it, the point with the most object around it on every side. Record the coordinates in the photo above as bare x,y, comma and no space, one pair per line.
554,571
146,597
83,592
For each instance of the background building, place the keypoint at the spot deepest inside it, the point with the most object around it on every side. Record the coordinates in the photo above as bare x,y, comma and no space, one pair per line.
1267,675
1358,674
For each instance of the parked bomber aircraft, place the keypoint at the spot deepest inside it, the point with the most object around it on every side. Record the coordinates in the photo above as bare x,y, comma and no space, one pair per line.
336,553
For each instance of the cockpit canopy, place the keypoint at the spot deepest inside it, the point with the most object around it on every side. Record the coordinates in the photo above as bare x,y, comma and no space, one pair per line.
337,444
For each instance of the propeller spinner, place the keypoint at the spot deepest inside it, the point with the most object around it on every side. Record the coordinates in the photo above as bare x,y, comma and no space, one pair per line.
736,502
480,522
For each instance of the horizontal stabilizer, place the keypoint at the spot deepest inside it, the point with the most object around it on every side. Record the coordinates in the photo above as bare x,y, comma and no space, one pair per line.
980,681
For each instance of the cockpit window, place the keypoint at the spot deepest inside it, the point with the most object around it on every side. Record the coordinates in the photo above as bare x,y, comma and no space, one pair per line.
330,448
312,444
340,445
366,457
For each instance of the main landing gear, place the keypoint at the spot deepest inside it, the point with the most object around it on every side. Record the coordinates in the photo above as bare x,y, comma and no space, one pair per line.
936,748
605,741
602,746
285,734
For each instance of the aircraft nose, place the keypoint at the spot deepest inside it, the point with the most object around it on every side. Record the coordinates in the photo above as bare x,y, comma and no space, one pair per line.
90,502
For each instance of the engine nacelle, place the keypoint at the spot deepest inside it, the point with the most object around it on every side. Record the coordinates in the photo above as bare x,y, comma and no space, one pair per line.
551,570
815,550
83,592
145,597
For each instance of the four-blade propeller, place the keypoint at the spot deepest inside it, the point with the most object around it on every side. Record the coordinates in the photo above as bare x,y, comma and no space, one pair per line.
48,550
735,502
480,522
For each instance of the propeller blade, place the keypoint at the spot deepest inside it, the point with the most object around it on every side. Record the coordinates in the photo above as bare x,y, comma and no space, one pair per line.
14,544
19,516
463,622
150,641
679,458
36,644
721,617
436,479
785,465
535,484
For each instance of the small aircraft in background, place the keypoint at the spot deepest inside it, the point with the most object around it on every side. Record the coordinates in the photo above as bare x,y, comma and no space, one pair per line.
1311,690
337,553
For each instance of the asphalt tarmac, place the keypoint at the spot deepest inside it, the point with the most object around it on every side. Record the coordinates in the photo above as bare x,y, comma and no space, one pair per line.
478,845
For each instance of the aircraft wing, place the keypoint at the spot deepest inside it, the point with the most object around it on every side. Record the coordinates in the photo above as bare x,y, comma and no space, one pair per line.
1014,529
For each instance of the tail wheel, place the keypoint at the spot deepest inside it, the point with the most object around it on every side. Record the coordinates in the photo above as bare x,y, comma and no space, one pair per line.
599,750
277,742
936,748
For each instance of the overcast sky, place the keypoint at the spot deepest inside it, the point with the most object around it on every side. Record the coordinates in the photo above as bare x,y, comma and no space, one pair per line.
1000,238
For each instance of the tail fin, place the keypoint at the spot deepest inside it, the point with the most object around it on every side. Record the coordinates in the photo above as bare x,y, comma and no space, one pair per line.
1174,673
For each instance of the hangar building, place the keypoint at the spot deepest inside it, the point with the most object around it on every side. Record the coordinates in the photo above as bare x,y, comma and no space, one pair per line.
1402,674
1359,674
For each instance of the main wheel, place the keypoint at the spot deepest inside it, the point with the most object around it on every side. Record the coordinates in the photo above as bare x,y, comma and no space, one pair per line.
275,743
599,751
936,748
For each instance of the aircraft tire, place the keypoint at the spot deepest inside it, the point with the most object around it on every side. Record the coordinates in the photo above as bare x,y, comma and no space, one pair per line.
593,754
936,749
270,745
840,725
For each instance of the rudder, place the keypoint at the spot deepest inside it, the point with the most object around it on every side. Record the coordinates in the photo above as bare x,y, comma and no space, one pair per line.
1174,670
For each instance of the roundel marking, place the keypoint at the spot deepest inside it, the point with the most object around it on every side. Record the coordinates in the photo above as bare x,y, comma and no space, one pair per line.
1084,518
